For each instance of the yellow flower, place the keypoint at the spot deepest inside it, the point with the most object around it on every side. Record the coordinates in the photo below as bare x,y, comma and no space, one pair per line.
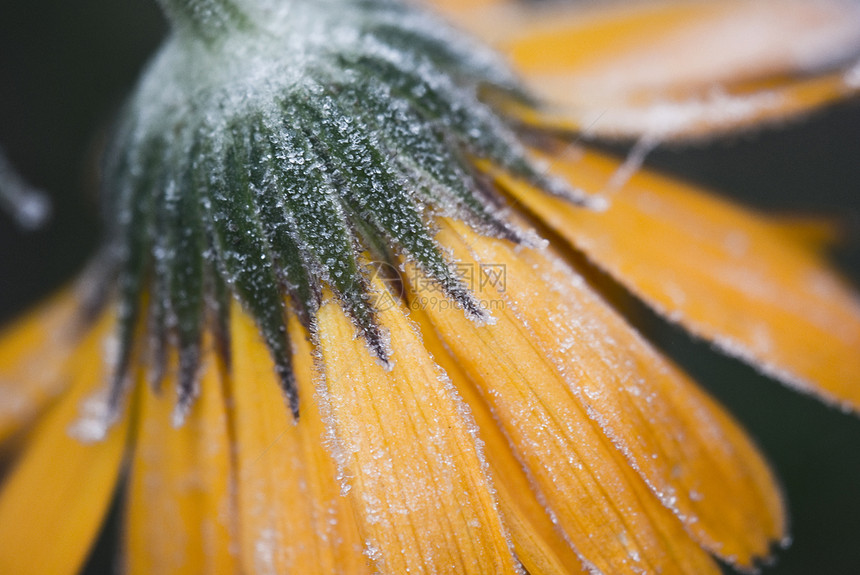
329,247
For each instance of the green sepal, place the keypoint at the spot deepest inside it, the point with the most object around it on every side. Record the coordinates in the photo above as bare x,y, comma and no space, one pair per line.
242,252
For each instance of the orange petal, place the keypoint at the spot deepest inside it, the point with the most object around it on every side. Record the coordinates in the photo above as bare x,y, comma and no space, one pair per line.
180,509
292,516
539,544
408,454
453,7
722,272
597,498
60,489
817,233
687,450
686,69
490,20
692,115
33,353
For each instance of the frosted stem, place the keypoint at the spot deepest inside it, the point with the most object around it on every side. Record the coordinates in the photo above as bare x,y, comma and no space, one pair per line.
206,19
30,207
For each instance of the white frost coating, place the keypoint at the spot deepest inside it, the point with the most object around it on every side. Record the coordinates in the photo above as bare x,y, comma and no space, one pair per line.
740,350
330,440
94,419
38,374
676,293
852,76
598,203
746,39
30,207
307,98
13,404
527,409
581,331
666,119
406,491
763,285
736,243
111,346
248,71
252,70
632,163
471,426
265,550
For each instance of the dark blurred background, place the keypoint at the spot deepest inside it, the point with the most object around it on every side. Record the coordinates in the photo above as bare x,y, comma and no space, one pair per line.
66,66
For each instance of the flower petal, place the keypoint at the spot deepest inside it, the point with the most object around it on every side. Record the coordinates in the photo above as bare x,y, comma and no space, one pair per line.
539,544
818,233
692,114
690,453
180,510
597,498
675,68
722,272
60,489
33,352
408,454
461,6
292,516
650,41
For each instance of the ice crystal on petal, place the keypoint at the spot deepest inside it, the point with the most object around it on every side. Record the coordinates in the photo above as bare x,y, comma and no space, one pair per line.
94,419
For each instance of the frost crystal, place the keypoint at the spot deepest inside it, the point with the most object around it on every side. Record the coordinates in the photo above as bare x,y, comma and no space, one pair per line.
271,144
